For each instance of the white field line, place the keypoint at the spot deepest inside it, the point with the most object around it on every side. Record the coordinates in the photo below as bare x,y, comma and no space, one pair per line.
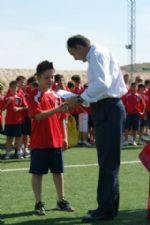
68,166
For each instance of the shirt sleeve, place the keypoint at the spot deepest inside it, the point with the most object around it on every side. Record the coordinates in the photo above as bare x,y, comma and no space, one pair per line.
34,106
99,78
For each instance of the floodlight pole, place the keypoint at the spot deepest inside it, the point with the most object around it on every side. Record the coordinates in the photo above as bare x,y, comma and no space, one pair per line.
132,34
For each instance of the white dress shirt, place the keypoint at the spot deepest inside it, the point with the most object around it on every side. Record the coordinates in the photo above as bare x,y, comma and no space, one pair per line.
105,79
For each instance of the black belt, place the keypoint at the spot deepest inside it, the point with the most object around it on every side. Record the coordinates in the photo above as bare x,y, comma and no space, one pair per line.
105,100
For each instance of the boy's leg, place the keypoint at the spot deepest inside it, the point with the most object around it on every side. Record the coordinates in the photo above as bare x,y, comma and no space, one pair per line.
37,190
18,146
59,185
37,187
9,141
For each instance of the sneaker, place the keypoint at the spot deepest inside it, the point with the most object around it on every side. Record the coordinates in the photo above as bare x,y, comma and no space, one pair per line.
80,143
134,143
125,143
7,155
64,206
20,154
26,153
86,144
141,142
39,208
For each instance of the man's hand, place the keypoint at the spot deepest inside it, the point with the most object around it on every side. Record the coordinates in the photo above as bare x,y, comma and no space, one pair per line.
72,102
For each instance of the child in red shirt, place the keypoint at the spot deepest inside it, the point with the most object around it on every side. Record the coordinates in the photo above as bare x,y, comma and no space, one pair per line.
14,103
1,107
134,105
48,137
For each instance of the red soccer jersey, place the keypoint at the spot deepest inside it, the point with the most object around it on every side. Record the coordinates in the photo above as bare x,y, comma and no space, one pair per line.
148,100
134,103
78,90
1,106
45,133
13,117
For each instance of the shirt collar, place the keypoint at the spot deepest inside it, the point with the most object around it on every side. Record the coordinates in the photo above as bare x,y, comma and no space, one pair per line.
92,48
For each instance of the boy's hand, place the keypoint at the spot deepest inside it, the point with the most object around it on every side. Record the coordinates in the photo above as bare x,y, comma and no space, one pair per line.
65,143
15,109
64,108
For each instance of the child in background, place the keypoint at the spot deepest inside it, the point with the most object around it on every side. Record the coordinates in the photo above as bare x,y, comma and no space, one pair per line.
14,103
147,92
26,125
134,105
1,107
143,117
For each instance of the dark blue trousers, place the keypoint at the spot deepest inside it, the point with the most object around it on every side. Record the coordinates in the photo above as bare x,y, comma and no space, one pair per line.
108,117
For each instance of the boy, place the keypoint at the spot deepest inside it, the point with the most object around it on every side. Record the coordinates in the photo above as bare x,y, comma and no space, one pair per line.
15,104
134,105
48,137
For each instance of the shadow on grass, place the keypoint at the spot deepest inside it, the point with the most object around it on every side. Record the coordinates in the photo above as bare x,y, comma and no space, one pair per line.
127,217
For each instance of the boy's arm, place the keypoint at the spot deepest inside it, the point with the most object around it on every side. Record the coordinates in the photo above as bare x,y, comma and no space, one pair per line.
17,109
65,134
47,113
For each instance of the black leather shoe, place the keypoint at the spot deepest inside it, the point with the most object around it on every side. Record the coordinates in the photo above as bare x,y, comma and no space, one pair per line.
95,216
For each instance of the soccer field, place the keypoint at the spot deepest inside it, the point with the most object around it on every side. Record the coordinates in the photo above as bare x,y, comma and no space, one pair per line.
17,201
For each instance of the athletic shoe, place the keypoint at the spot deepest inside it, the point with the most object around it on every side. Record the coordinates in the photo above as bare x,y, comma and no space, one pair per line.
141,142
20,154
64,206
26,153
125,143
7,155
39,208
86,144
134,143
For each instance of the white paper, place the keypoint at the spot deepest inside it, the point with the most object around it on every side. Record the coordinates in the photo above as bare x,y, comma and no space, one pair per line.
65,94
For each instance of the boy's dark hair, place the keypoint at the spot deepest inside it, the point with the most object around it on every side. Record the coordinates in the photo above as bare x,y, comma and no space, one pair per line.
147,82
13,82
58,77
30,80
34,84
133,84
20,78
78,40
43,66
85,85
70,84
141,86
76,78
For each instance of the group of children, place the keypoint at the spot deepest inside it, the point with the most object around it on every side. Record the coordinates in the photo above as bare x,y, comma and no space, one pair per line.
15,124
137,105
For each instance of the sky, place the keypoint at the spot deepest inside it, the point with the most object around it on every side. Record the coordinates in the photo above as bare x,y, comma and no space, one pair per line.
35,30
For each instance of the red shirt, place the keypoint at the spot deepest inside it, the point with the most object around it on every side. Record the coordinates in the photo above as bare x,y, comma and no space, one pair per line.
134,103
78,90
1,106
13,117
45,133
147,100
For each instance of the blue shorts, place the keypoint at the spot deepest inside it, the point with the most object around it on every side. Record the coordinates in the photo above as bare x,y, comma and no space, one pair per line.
132,122
26,126
143,123
44,159
148,118
13,130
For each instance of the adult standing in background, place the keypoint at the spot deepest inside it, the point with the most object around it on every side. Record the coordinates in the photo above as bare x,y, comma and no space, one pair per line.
105,88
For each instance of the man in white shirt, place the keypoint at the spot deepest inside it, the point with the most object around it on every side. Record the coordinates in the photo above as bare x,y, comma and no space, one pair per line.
105,88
